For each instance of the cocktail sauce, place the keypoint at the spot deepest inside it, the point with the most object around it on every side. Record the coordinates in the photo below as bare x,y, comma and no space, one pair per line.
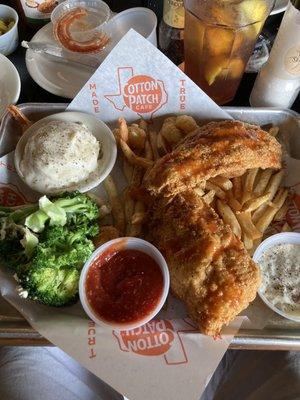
124,286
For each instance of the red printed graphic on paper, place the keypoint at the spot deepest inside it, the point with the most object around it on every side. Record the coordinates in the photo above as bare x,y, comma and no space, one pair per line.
156,338
293,214
10,196
142,94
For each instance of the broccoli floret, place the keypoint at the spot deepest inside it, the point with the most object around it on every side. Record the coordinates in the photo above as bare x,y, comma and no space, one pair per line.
52,286
72,208
63,254
53,274
64,233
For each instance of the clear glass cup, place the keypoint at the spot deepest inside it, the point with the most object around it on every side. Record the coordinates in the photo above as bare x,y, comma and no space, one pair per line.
84,32
219,38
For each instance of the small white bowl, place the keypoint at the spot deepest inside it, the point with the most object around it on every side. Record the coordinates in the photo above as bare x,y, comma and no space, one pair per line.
101,132
141,19
121,244
279,238
10,84
9,41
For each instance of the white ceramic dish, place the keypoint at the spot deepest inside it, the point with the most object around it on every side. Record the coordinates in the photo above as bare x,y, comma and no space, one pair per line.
10,84
125,243
99,129
279,238
9,40
58,78
66,80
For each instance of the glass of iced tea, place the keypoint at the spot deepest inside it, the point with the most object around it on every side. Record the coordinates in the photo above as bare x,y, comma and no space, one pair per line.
219,38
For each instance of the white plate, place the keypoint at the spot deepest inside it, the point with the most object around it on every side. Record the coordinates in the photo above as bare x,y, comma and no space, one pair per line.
279,7
98,128
66,80
10,84
60,79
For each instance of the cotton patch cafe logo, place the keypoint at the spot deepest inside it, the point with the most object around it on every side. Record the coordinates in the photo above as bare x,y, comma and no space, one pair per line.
152,339
162,338
142,94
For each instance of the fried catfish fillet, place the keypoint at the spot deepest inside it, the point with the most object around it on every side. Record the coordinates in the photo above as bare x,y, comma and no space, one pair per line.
219,148
210,270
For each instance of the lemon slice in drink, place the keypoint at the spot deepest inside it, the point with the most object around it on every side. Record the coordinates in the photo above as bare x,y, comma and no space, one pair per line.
213,68
253,12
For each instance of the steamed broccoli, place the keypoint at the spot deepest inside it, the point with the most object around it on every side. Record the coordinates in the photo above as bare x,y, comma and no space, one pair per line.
74,208
51,286
48,262
63,254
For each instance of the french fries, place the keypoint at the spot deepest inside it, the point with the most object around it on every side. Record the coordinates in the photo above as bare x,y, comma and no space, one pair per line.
251,204
248,184
271,188
233,202
127,169
137,219
161,145
199,191
17,114
218,191
136,137
247,240
209,196
133,158
237,187
148,151
247,225
271,210
263,182
274,131
153,142
255,202
281,213
128,209
223,183
229,218
123,130
116,205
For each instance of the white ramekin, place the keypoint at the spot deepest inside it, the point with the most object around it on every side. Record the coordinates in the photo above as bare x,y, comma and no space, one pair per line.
125,243
98,128
279,238
9,41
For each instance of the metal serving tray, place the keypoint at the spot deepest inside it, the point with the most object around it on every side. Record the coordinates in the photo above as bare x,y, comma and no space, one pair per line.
279,333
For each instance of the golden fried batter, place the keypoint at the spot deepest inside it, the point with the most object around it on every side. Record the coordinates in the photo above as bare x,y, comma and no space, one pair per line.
218,148
209,267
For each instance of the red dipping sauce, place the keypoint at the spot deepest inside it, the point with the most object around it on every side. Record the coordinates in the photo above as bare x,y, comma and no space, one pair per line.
124,286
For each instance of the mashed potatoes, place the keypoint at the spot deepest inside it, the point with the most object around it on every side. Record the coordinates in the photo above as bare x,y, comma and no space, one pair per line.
59,156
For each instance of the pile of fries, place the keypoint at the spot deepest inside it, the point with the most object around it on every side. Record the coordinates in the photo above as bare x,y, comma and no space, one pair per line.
248,203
